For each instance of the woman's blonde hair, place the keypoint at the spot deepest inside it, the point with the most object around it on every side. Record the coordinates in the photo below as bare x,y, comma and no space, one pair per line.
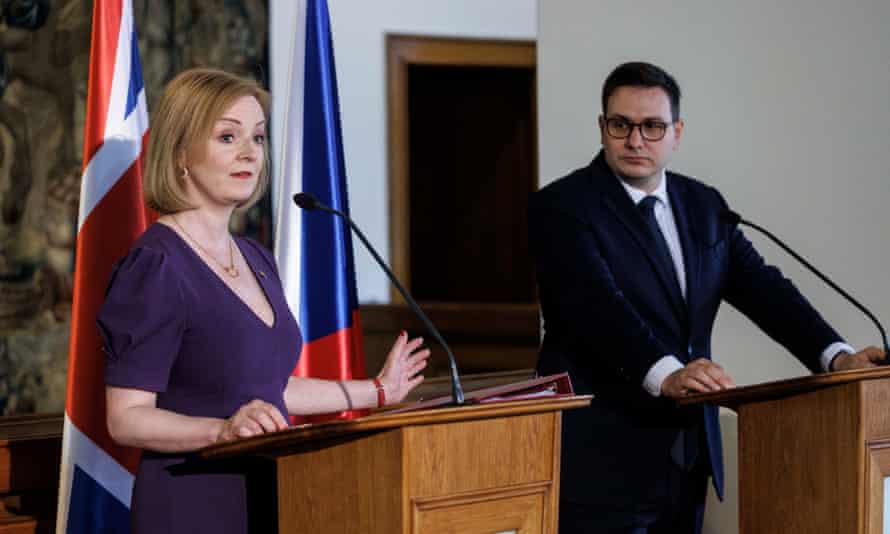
187,111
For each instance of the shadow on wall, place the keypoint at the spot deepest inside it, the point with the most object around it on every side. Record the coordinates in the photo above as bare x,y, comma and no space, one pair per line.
723,517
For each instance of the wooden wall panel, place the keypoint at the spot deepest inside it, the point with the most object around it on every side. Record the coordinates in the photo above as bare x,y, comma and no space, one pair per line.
484,337
30,456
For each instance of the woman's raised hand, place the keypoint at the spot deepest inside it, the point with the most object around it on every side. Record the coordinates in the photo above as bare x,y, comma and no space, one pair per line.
401,370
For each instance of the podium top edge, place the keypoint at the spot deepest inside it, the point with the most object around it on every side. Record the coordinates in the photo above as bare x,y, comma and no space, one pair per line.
269,444
733,398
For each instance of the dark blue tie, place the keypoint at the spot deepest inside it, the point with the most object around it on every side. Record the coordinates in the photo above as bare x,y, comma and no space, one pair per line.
685,448
647,208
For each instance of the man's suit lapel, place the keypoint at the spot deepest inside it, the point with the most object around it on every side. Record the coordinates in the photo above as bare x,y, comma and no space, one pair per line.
691,255
616,200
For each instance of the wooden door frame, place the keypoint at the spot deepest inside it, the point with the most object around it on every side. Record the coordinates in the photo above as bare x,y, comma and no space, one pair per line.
403,51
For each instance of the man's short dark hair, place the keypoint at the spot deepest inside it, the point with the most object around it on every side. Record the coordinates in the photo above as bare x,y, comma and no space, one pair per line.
641,74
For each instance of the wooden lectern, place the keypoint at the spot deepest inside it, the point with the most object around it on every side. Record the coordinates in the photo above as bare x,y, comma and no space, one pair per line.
482,468
813,452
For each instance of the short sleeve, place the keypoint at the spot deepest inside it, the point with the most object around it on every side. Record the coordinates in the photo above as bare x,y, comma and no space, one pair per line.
142,321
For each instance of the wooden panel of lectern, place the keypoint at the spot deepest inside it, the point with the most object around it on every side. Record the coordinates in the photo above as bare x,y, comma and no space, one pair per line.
489,467
813,452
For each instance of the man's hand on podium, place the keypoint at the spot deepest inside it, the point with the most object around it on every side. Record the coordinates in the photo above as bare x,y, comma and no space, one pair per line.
701,375
867,357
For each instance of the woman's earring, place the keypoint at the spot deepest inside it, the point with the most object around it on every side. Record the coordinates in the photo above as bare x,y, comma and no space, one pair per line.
185,172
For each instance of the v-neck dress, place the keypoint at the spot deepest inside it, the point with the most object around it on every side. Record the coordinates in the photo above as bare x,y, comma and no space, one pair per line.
170,325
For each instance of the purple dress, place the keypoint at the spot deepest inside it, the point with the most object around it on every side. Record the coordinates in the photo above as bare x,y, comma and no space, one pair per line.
171,326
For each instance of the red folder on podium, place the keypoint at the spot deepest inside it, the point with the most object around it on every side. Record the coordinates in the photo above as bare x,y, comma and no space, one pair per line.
551,386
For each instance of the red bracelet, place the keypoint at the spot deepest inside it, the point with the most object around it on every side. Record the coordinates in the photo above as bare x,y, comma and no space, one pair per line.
381,394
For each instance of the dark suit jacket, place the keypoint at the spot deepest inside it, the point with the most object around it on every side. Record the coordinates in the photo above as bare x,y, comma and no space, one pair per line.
609,316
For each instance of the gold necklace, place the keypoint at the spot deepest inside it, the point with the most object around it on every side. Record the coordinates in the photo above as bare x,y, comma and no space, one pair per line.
230,269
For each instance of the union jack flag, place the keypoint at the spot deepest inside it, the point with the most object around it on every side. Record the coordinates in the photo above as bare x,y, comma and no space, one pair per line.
97,474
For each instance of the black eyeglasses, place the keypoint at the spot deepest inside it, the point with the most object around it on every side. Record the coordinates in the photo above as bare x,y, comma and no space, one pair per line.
650,129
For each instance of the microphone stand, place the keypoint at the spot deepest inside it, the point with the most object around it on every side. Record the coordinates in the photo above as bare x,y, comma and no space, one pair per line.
734,218
309,202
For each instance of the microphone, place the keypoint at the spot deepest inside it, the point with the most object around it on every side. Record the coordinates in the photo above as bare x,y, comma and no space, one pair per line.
308,202
733,218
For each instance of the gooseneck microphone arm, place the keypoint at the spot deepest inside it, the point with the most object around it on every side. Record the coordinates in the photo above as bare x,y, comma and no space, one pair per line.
309,203
734,218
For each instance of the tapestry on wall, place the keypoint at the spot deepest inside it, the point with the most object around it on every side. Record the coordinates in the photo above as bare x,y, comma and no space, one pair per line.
44,55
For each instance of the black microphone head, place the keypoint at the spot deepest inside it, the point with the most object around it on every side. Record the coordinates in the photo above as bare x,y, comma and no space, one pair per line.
306,201
730,217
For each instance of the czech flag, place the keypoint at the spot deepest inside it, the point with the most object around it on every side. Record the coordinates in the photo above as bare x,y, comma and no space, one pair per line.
314,249
96,474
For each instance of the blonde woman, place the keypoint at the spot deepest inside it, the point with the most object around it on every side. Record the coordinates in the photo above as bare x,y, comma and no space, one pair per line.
199,339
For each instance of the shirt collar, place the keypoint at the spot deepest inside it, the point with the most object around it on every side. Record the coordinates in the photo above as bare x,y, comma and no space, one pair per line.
636,195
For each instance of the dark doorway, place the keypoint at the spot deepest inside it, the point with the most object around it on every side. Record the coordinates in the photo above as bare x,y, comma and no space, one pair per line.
462,162
471,146
462,165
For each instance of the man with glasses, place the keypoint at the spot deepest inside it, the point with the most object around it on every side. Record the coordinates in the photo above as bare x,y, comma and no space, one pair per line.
632,264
